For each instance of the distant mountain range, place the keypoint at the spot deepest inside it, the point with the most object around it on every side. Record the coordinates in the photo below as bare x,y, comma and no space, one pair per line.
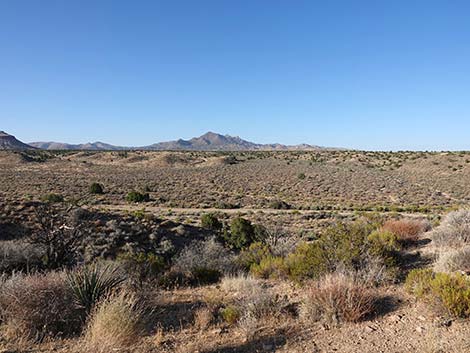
208,142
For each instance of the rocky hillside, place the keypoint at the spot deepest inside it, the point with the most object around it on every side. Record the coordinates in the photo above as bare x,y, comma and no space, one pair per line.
9,142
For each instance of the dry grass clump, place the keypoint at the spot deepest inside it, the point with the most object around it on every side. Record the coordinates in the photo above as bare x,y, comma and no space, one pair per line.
117,323
406,230
248,302
37,306
337,298
454,260
240,285
454,230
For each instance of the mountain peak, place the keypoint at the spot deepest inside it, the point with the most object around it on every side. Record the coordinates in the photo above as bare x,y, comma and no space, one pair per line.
9,142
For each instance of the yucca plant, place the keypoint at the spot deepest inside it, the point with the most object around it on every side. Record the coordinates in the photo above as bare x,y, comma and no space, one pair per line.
91,283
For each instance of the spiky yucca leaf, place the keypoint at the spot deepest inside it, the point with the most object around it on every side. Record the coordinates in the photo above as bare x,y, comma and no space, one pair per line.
91,283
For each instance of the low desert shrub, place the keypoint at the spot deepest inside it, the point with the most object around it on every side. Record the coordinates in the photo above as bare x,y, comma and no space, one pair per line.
407,231
239,285
52,198
230,314
203,318
279,205
449,293
337,298
141,267
135,196
96,188
90,284
454,260
248,297
117,323
18,255
269,267
38,306
253,255
454,230
211,221
204,261
342,247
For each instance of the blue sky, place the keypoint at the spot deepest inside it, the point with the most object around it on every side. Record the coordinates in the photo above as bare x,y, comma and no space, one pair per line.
352,73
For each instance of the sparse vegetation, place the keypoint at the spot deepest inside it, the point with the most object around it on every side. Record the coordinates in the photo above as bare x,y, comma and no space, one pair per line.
96,189
135,196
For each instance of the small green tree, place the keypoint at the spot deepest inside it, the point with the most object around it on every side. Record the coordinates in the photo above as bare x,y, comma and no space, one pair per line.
242,233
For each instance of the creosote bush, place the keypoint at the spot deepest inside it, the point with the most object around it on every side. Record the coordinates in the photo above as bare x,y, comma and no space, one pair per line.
337,298
449,293
135,196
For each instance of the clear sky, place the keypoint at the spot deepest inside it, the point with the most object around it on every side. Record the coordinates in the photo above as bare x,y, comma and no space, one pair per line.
368,74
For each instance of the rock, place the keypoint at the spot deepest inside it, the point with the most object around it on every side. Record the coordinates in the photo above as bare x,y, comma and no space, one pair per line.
395,318
421,318
420,329
369,329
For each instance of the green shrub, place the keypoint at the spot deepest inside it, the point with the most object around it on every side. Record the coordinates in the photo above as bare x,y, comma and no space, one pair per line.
52,198
418,282
301,176
135,196
142,266
342,246
242,233
307,261
96,188
453,293
449,292
384,244
269,267
253,255
210,221
204,275
230,314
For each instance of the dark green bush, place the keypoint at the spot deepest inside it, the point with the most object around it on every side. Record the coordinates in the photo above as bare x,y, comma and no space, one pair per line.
204,275
142,266
135,196
96,188
210,221
242,233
